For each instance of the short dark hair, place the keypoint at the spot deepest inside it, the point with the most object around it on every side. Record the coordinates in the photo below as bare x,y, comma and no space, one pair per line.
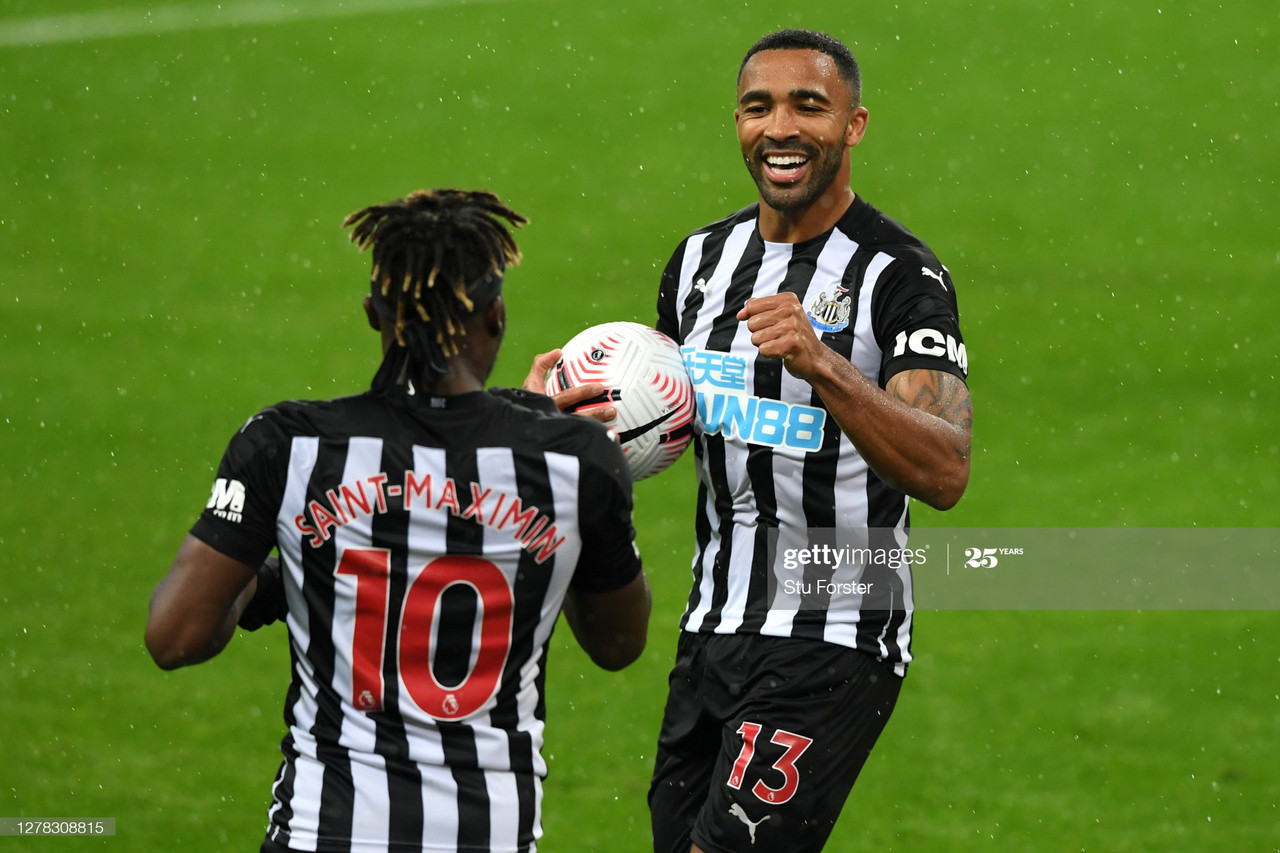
796,39
438,257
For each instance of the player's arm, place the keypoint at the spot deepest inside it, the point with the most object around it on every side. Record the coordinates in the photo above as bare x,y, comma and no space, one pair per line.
915,433
611,627
608,601
194,609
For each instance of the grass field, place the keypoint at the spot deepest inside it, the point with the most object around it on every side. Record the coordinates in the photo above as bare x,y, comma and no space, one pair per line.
1101,179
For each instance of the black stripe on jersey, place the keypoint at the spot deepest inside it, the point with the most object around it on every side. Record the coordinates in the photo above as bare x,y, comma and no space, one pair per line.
405,818
458,739
526,783
702,537
712,250
818,499
724,510
725,327
707,263
887,510
768,385
337,793
723,330
533,487
283,789
460,754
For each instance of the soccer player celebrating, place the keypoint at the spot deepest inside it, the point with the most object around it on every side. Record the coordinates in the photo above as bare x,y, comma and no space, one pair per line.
429,533
824,343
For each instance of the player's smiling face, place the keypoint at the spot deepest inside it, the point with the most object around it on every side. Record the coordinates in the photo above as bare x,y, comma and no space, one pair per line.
796,122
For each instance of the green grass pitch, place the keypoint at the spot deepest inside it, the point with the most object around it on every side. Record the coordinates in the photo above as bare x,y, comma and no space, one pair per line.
1099,177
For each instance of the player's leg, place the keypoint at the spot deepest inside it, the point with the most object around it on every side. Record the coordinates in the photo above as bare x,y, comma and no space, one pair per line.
687,749
809,715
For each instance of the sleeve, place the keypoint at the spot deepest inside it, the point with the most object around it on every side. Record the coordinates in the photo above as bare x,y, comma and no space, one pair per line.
526,399
239,519
610,559
668,321
916,319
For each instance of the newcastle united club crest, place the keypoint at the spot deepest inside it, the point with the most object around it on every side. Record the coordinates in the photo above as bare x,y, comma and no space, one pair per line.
830,311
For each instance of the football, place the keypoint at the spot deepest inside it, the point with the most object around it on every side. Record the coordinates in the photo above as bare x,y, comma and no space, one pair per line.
644,377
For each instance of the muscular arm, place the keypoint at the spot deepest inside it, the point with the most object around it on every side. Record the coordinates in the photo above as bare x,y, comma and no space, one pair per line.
611,627
915,433
194,609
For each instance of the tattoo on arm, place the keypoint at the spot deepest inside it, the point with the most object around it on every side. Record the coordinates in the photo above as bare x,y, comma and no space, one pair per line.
941,394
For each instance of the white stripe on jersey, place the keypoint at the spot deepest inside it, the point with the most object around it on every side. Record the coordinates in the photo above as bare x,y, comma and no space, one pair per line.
903,637
504,823
866,353
358,734
563,472
717,286
692,258
302,460
371,815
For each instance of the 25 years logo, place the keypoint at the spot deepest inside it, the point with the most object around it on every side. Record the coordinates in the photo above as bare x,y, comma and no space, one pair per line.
988,558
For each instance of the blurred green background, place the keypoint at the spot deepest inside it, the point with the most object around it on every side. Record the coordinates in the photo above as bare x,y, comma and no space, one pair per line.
1101,179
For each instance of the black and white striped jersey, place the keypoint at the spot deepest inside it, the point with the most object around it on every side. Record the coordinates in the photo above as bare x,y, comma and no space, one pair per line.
428,544
770,458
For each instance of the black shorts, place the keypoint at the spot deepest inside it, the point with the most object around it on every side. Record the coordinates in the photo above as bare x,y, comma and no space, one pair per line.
761,741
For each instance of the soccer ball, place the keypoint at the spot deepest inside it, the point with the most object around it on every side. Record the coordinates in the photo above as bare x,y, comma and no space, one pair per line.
644,377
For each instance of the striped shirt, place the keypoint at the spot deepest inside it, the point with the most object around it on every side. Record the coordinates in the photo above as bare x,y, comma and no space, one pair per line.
771,461
428,545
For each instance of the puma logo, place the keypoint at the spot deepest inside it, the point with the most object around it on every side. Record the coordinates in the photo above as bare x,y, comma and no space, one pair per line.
736,811
933,274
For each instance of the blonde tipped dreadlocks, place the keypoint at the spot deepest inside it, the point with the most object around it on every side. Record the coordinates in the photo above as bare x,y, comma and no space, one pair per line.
438,256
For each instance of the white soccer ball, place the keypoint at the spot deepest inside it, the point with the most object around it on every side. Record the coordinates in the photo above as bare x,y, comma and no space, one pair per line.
644,377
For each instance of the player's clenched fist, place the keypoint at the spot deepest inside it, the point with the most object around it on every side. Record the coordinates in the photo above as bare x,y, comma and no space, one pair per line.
780,328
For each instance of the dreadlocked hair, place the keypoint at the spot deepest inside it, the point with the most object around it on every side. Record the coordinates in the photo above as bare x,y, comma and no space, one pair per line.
436,254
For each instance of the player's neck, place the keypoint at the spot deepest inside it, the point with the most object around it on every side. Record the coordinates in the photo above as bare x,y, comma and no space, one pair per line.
463,377
796,226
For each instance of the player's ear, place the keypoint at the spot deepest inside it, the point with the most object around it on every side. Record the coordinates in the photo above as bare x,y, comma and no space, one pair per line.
374,322
495,318
857,126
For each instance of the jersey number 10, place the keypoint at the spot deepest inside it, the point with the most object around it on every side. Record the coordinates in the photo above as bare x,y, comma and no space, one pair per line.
418,624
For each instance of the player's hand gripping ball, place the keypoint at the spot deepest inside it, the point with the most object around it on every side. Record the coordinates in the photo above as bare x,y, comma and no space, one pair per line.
645,379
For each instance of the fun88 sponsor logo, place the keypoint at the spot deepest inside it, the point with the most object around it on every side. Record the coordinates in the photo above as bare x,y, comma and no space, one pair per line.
719,382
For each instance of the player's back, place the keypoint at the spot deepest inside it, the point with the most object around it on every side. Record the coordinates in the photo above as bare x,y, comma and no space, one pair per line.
428,545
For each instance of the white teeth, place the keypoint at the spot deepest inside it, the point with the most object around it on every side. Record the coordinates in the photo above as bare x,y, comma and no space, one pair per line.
789,162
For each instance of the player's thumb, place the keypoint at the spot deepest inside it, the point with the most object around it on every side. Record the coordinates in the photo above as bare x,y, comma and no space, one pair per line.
536,381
